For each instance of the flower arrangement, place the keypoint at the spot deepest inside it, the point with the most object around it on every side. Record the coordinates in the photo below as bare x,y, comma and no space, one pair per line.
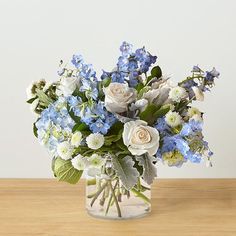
118,125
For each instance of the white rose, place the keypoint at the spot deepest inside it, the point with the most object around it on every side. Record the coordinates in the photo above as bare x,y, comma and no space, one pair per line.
95,141
118,96
173,119
198,93
177,93
140,138
65,150
67,85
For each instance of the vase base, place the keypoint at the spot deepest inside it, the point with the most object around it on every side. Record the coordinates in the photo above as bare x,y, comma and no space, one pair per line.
128,215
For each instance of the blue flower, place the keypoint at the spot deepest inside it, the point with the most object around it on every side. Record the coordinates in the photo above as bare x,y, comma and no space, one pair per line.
90,88
126,48
87,71
118,77
77,60
99,126
194,157
191,127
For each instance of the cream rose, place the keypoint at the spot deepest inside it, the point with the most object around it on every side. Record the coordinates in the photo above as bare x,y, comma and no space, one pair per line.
118,96
140,138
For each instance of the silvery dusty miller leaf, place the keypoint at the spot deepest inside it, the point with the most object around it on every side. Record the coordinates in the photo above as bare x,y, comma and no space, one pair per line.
149,169
125,171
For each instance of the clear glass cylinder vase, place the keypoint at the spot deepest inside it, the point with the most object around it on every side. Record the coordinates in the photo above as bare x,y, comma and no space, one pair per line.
107,198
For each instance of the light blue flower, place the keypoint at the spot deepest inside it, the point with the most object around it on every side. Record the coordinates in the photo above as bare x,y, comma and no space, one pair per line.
126,48
77,60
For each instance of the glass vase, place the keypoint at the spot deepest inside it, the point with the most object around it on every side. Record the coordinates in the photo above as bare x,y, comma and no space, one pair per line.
107,198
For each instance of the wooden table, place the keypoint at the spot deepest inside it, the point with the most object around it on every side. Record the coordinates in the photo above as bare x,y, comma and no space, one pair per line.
183,207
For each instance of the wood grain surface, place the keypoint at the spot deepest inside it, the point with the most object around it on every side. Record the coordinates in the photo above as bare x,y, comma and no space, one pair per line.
180,207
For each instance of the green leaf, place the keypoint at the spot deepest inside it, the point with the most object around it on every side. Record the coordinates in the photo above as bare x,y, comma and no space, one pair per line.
147,114
43,97
161,112
35,130
106,82
31,100
156,72
79,127
116,128
125,171
72,115
80,94
112,138
149,169
64,171
139,87
120,144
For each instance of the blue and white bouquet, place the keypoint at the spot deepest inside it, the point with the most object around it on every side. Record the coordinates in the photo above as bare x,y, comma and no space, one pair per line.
120,124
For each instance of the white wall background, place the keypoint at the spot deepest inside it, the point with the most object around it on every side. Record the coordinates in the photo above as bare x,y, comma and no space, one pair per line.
36,34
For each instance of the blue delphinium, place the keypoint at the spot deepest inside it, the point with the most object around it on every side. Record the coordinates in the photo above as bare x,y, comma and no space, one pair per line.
130,65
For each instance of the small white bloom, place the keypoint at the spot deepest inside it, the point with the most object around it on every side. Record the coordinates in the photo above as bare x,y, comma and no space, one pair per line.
65,150
173,119
197,118
96,160
95,141
76,138
193,111
140,138
118,96
79,162
177,93
199,95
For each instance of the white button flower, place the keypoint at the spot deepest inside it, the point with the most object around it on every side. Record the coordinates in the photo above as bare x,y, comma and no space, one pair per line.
65,150
177,93
118,96
79,162
140,138
173,119
95,141
76,138
193,111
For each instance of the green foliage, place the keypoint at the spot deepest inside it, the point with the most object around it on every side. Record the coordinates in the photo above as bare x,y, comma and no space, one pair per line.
80,94
161,112
35,130
80,127
43,98
72,115
64,171
116,128
106,82
112,138
156,72
31,100
124,168
148,114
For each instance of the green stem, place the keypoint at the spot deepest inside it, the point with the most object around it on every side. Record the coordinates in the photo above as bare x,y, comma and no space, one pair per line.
110,199
140,195
91,182
98,193
115,199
